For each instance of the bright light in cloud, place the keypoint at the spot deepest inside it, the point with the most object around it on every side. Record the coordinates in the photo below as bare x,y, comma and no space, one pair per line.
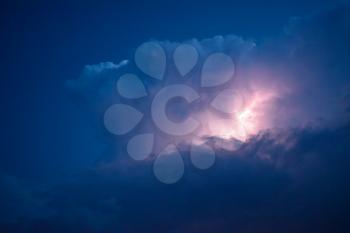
252,117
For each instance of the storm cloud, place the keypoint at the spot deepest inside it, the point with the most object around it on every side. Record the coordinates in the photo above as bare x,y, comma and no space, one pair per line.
291,176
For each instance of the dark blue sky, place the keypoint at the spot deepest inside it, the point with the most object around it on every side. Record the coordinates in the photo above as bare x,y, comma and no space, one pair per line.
47,138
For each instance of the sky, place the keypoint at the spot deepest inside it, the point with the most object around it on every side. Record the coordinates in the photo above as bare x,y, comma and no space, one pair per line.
62,171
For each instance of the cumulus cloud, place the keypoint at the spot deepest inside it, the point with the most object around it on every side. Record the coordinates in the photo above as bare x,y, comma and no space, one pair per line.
295,79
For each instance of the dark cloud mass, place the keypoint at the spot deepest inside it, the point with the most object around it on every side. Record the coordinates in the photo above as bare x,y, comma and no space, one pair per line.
296,181
292,179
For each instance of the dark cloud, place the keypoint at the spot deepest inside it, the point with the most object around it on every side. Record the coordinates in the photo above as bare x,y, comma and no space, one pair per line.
297,181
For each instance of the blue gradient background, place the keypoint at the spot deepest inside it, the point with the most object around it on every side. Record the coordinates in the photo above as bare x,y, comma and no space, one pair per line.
46,139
